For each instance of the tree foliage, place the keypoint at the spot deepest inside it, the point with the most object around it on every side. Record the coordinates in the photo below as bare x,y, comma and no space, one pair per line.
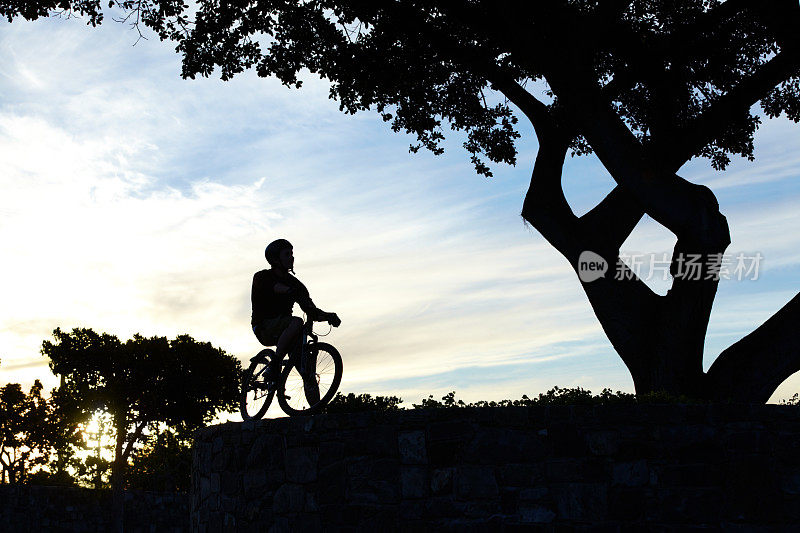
666,68
182,383
163,464
28,431
560,396
352,403
142,383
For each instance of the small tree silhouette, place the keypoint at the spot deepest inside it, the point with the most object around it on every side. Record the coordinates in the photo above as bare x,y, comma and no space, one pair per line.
141,383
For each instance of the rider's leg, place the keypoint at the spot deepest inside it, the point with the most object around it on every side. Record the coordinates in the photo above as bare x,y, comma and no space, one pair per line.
287,339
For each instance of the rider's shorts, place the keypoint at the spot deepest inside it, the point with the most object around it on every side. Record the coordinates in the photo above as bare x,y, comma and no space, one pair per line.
268,330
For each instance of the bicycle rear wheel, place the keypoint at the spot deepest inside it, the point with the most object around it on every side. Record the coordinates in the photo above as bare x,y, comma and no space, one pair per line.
256,396
299,396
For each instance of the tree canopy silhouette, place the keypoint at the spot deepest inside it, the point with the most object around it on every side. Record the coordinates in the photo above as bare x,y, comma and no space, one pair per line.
26,433
644,84
142,383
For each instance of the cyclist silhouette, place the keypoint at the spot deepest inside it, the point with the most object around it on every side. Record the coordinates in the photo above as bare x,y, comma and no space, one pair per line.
274,293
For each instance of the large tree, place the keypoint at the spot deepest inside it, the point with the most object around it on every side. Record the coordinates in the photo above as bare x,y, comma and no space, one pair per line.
644,84
143,384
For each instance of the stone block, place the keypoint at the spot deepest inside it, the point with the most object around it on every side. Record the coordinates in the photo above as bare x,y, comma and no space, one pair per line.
533,494
412,510
630,473
254,481
379,442
481,511
232,439
289,498
378,518
205,487
229,504
698,442
280,525
587,469
565,439
442,480
790,482
331,452
581,501
449,430
311,503
627,504
501,446
536,514
333,483
301,465
685,506
306,522
373,481
411,446
413,482
691,475
266,450
476,482
373,468
602,442
229,523
230,483
520,474
276,476
221,461
787,445
443,453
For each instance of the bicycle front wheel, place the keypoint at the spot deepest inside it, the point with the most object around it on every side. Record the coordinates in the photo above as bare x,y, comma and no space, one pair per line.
307,394
256,396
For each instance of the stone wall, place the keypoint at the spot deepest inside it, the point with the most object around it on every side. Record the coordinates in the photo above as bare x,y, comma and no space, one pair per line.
619,468
34,509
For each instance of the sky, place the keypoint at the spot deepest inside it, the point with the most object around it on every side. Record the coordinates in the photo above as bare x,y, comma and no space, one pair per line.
132,200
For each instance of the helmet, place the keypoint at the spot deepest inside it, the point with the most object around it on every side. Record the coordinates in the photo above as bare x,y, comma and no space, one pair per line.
272,253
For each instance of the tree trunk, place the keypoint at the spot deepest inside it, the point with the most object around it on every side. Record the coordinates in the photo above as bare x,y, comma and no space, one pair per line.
660,338
3,465
117,479
752,368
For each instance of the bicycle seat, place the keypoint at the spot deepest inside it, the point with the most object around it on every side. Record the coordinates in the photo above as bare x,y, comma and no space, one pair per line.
261,354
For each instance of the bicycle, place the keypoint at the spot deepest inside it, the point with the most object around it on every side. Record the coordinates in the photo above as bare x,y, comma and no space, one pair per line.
309,377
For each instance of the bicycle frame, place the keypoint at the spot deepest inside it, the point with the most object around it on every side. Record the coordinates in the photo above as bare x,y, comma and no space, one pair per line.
295,355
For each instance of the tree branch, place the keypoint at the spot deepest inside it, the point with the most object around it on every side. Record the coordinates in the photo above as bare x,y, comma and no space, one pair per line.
678,44
690,211
136,435
545,206
537,112
612,220
703,129
751,369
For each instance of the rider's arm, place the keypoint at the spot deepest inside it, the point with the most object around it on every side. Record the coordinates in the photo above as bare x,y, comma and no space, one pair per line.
302,297
307,305
313,312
